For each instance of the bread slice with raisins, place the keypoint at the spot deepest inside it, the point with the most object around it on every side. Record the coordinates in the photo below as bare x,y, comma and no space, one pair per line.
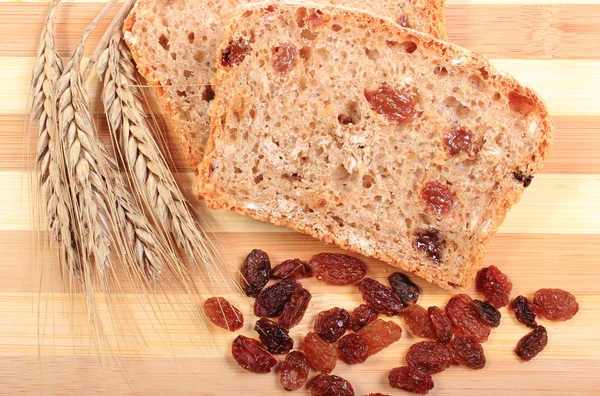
174,42
343,125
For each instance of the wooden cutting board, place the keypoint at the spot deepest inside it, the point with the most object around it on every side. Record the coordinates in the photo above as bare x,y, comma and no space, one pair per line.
551,239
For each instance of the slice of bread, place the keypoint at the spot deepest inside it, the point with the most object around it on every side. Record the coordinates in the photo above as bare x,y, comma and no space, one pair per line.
174,42
343,125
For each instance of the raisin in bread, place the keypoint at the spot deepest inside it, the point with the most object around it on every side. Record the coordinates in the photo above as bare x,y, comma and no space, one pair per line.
343,125
174,43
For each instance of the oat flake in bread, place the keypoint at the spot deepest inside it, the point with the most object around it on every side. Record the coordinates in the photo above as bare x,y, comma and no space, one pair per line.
383,140
174,42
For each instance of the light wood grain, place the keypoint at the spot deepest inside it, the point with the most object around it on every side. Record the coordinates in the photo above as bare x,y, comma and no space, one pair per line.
551,239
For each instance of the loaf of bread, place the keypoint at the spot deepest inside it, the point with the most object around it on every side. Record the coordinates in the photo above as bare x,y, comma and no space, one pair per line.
174,42
343,125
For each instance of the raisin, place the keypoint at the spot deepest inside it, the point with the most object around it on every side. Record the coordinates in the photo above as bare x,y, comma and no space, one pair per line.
284,58
523,178
235,53
252,355
208,94
431,241
256,271
321,355
555,304
494,285
467,352
380,334
411,380
271,301
381,298
438,199
361,316
429,357
460,141
330,325
533,343
405,289
273,336
417,321
465,319
295,268
403,21
442,328
345,120
317,19
488,313
330,385
393,104
524,312
294,309
353,349
223,314
338,269
294,371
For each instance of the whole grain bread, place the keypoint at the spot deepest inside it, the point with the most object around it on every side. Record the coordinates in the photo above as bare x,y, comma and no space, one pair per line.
174,41
343,125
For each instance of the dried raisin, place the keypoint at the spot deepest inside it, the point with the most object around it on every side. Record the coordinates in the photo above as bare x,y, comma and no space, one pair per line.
533,343
330,325
488,313
430,241
442,327
353,349
393,104
255,272
223,314
467,352
465,319
294,268
321,355
294,309
361,316
381,298
252,355
429,357
273,336
417,321
524,312
494,285
330,385
294,371
271,301
284,58
555,304
337,269
235,53
411,380
404,288
459,141
438,199
403,21
380,334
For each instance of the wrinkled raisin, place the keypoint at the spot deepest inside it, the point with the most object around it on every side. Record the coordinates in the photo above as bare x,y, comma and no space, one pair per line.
488,313
380,334
524,312
417,321
321,355
284,58
523,178
381,298
442,328
294,371
256,271
361,316
429,357
467,352
393,104
330,385
337,269
465,319
223,314
252,355
294,309
430,241
405,289
273,336
295,268
345,120
533,343
330,325
555,304
235,53
438,198
494,285
353,349
271,301
411,380
403,21
460,141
